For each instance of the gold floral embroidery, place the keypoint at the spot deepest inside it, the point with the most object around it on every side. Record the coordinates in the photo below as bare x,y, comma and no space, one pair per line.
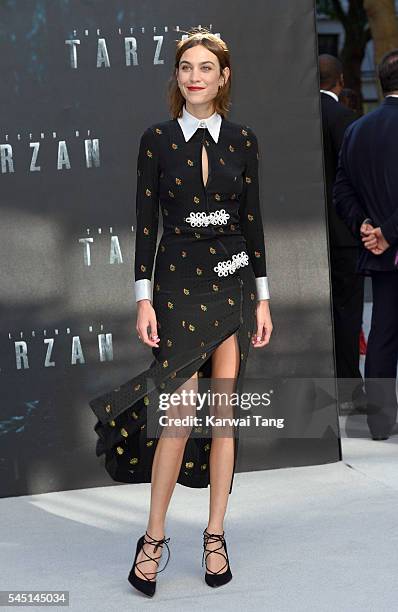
203,466
212,250
222,162
252,296
133,460
146,231
197,235
215,287
172,267
183,323
196,199
157,287
124,432
199,271
189,162
134,415
108,408
178,181
149,443
158,131
216,323
169,342
148,192
217,197
250,217
162,248
191,327
137,387
112,423
189,464
165,363
248,179
203,307
174,146
170,305
231,148
143,268
171,194
244,132
177,230
149,153
146,400
231,301
206,447
248,143
257,253
183,253
186,291
119,450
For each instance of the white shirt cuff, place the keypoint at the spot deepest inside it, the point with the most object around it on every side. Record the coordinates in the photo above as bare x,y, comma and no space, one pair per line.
143,289
262,288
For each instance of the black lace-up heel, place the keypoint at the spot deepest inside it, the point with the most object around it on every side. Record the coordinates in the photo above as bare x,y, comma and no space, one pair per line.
147,585
215,579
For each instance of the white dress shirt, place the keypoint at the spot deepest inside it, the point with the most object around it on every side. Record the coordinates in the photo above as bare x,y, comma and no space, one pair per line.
330,93
189,124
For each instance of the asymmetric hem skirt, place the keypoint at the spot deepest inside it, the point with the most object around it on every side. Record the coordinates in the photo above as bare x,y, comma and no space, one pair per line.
192,323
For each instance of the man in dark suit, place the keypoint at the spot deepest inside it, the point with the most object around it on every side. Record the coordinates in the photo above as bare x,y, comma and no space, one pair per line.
366,198
347,285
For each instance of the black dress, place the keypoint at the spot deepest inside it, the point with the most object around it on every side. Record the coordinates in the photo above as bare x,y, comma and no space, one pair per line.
207,261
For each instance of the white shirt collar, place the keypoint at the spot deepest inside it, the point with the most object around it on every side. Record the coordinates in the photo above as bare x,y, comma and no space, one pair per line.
330,93
392,96
189,124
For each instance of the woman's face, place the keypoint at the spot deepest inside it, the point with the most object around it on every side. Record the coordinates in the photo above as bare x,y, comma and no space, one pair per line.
198,75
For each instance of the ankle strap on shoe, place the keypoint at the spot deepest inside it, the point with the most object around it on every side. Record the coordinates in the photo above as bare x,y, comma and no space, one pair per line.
157,543
214,537
211,538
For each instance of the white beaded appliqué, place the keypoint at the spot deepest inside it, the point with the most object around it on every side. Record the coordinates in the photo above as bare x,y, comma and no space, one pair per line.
200,219
223,268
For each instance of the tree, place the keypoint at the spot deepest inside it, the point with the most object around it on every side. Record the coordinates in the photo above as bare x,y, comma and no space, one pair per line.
357,36
383,23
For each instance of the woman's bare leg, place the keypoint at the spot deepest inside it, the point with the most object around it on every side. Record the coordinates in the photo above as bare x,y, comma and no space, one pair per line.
225,364
165,469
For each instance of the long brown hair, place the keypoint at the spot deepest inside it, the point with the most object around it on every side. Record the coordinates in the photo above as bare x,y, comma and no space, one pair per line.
217,46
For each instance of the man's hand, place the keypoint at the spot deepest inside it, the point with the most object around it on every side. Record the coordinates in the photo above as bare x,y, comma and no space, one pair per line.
373,239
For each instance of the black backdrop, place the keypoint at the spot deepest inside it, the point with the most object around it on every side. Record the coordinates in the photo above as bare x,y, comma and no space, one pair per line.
71,117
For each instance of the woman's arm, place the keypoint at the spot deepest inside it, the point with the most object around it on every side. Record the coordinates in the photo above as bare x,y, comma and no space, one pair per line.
250,215
147,214
252,228
147,221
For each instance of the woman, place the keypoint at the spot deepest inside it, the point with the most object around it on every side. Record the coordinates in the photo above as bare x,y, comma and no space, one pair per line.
209,269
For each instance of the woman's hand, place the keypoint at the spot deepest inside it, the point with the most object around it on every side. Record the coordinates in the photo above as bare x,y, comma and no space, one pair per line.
264,324
146,317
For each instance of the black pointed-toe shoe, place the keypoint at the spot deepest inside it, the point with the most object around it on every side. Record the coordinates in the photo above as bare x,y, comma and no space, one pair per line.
147,586
215,579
